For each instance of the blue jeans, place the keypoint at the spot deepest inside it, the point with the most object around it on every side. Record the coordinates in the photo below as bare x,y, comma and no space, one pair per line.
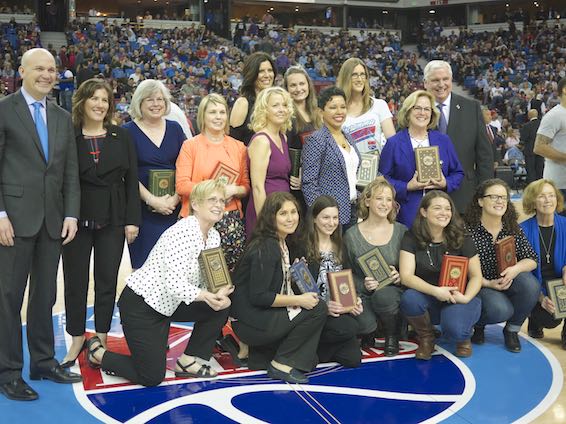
67,100
456,320
512,305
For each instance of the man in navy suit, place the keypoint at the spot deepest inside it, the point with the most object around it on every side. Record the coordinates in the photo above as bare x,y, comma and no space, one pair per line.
463,122
39,206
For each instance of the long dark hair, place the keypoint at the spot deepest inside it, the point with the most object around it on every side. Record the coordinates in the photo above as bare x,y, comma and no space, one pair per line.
266,225
454,231
311,234
472,216
251,71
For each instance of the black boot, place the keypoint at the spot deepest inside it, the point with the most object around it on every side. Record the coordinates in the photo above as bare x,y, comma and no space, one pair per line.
390,324
563,335
535,330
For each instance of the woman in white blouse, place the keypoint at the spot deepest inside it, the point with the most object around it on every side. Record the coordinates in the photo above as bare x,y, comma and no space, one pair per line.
168,287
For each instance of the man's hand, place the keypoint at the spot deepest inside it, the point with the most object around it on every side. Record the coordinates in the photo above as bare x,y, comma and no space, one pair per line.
6,232
69,231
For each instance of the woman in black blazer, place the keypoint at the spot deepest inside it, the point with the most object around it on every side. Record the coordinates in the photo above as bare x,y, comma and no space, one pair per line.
281,328
110,211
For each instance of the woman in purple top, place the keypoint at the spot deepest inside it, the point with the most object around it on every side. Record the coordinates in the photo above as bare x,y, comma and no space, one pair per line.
269,161
158,143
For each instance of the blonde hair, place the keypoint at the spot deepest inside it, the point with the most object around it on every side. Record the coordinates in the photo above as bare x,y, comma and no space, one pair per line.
532,191
214,99
344,81
259,115
202,190
410,102
379,184
144,90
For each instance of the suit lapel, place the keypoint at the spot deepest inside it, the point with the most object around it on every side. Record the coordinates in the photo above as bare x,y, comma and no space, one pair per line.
23,112
52,122
455,119
334,147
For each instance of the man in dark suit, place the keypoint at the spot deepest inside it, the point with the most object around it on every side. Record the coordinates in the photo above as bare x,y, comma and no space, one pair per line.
39,206
462,120
533,162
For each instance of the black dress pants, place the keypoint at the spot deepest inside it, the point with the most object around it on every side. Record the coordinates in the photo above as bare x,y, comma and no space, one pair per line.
291,343
541,318
108,245
339,342
147,331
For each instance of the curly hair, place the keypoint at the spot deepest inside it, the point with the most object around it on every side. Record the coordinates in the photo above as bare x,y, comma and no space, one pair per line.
454,231
251,72
473,214
85,92
376,186
266,225
310,101
260,114
344,81
310,233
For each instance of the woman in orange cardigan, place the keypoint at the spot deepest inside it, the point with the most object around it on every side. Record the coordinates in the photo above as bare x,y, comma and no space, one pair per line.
214,154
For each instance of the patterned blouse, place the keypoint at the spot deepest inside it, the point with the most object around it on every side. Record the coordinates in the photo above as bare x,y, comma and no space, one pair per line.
328,263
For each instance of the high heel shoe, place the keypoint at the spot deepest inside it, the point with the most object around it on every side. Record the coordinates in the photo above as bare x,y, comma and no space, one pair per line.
71,362
90,351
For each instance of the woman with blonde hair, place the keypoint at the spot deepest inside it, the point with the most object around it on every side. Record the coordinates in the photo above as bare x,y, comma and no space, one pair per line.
369,121
269,161
418,117
378,229
198,160
546,231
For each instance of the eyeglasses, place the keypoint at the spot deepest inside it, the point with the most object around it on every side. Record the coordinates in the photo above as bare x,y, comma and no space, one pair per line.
363,76
497,198
421,109
216,201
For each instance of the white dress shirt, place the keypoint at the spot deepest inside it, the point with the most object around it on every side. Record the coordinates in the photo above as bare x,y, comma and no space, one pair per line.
171,273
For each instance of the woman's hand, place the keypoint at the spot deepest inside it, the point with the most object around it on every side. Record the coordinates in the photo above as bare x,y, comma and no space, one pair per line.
460,297
370,284
414,185
308,300
547,304
131,232
437,184
359,308
395,275
217,301
165,205
445,294
335,309
295,182
509,275
231,191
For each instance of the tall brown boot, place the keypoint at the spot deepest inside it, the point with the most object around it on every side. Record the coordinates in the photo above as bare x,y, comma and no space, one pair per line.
425,331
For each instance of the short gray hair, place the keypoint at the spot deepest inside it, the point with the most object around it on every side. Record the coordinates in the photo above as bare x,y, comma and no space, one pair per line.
144,90
433,65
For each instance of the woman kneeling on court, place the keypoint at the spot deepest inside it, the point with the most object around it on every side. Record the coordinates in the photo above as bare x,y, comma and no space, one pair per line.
438,230
168,287
281,328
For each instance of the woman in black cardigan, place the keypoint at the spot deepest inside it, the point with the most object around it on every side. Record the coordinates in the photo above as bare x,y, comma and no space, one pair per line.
110,211
281,328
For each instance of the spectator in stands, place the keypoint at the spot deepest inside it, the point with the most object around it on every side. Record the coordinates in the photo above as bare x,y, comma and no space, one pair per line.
462,121
270,164
534,163
550,142
281,328
200,158
509,295
418,117
66,88
330,159
369,121
110,212
546,231
158,142
259,73
167,289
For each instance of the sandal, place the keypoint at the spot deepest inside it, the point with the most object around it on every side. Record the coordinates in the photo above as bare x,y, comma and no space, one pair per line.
203,372
90,351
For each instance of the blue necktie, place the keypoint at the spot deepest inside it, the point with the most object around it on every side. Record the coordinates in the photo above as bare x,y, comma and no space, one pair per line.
41,129
442,124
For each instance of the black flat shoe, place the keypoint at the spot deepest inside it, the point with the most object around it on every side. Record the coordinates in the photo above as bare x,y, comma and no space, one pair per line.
512,343
479,335
90,351
71,362
56,374
294,376
18,389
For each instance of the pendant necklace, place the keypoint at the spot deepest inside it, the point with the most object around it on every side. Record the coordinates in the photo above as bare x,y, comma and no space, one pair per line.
546,249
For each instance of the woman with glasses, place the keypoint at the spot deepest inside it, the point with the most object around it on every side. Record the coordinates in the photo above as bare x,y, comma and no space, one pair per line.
169,287
369,121
417,117
158,143
510,295
546,231
199,159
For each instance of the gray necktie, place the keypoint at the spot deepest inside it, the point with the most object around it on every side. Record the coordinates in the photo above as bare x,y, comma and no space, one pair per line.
442,124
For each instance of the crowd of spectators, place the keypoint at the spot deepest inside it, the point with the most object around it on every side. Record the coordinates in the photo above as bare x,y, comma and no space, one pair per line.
18,9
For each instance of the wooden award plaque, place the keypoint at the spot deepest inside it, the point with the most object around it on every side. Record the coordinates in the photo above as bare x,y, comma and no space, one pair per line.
374,266
505,253
557,293
161,182
295,155
214,269
225,174
367,171
303,278
342,289
428,164
454,272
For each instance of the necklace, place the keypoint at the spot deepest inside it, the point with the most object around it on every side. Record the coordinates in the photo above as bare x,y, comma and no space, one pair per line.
546,249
